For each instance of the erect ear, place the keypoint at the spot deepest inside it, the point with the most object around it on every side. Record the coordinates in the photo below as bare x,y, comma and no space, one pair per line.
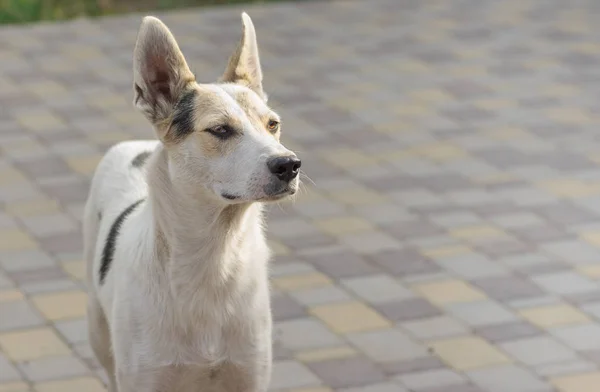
160,72
244,64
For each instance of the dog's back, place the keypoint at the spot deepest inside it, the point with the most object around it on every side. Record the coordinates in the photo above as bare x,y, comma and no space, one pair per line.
118,182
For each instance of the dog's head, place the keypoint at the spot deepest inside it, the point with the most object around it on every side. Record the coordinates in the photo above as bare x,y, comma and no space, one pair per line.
222,137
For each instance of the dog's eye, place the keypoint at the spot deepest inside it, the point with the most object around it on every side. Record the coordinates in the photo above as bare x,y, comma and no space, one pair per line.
221,131
273,125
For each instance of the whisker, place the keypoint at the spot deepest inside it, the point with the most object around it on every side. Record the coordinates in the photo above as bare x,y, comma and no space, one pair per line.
304,175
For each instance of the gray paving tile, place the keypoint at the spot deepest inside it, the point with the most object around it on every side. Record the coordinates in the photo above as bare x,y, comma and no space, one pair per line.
431,379
538,351
292,374
508,288
348,372
53,368
409,309
8,372
564,283
507,378
19,314
507,332
481,313
377,288
387,345
436,327
303,334
285,308
379,387
584,337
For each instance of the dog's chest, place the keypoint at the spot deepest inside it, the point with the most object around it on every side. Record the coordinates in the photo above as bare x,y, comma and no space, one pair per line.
225,377
203,331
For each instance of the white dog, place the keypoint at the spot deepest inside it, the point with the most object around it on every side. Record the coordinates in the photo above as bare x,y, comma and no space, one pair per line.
175,249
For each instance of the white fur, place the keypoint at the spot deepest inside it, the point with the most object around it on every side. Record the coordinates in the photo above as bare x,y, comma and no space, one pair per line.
185,305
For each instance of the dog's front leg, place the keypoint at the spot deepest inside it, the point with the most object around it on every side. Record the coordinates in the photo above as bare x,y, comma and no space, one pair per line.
264,371
144,381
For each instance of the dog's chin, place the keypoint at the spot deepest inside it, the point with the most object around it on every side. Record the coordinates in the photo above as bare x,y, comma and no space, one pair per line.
230,198
278,196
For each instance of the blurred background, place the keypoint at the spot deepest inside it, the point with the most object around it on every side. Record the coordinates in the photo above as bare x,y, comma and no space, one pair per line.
448,239
26,11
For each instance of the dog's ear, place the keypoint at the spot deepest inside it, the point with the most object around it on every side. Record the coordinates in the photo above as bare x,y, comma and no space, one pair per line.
160,72
244,64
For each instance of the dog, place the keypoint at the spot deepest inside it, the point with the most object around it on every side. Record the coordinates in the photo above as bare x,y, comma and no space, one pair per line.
173,228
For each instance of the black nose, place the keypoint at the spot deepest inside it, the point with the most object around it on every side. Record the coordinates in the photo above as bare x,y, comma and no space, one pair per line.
285,168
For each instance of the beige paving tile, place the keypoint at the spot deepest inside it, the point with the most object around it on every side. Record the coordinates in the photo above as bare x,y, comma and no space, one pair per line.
591,271
349,317
18,386
87,384
302,281
467,353
585,382
14,239
40,122
76,269
448,291
85,165
10,295
10,176
323,354
62,305
32,344
554,315
32,208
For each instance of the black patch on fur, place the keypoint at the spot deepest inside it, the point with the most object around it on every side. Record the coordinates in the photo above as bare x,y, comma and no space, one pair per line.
111,240
140,159
183,118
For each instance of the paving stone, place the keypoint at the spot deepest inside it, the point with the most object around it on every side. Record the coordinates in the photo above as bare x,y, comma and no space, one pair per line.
564,283
292,374
18,314
349,372
508,288
342,265
434,327
507,332
304,334
538,351
579,337
377,288
284,308
379,387
8,371
410,309
52,368
507,378
431,379
387,345
320,295
481,313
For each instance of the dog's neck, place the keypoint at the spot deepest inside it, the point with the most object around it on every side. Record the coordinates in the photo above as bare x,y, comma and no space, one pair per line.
196,234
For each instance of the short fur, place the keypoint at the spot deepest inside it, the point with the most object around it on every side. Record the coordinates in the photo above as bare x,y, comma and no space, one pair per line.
173,236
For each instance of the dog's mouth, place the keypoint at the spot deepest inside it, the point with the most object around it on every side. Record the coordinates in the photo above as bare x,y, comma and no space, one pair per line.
229,196
267,198
279,195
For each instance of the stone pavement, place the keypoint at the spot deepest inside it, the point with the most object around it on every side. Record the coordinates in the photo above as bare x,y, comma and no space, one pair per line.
450,241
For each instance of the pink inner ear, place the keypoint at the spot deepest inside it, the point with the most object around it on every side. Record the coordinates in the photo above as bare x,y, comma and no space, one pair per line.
158,76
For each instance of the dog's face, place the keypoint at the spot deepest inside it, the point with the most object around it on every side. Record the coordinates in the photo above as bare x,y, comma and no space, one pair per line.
222,137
